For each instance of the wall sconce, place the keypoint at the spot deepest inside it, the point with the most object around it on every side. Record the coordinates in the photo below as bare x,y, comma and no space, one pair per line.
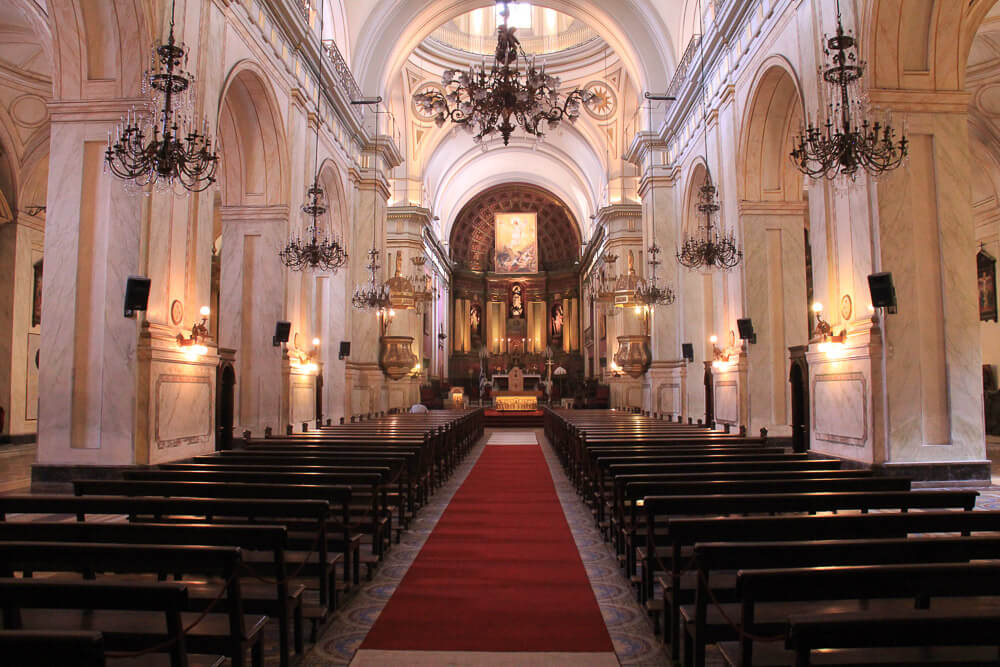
194,343
442,336
828,341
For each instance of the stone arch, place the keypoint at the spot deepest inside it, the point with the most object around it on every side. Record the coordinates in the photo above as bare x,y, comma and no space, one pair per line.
94,47
922,47
691,220
254,170
773,115
335,219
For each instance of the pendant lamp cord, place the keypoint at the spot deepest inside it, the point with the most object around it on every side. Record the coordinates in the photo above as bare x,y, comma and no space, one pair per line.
375,185
319,86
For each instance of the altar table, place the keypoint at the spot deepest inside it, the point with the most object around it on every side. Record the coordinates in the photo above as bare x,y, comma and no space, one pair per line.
514,402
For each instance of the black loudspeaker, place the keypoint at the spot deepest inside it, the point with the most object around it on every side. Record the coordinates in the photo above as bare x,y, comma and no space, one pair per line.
136,294
345,349
688,350
883,292
745,326
281,331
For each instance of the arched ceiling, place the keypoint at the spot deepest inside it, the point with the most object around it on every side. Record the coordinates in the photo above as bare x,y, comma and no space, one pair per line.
385,35
473,234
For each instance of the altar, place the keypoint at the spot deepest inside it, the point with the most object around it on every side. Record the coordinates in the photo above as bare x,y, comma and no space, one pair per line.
516,402
514,397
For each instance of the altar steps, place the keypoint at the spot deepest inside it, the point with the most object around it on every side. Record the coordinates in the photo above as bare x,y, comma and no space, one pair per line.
514,419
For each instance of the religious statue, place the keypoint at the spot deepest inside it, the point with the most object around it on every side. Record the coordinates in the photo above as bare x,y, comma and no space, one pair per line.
516,300
557,320
631,263
475,318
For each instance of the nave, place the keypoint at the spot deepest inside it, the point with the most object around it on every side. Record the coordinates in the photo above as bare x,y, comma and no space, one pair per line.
605,538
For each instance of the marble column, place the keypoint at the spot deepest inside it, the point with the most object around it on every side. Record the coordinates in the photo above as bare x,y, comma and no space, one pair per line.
251,301
88,371
775,276
926,238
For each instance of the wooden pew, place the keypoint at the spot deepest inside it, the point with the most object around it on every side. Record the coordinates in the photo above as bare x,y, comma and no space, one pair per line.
919,586
160,605
334,496
277,600
231,633
635,491
679,586
300,513
38,648
948,637
661,509
702,624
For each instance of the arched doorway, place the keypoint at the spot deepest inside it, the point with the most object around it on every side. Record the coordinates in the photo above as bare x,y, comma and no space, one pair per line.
225,407
709,395
798,377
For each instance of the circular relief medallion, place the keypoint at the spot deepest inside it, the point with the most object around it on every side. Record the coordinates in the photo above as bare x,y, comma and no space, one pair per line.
603,102
846,307
176,312
29,110
425,88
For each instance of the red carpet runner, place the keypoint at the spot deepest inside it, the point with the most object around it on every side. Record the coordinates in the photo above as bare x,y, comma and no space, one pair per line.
500,571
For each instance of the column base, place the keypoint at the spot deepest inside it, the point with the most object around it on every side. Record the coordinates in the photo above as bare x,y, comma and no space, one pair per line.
664,388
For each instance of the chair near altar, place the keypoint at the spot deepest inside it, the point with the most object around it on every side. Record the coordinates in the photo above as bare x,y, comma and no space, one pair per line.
515,398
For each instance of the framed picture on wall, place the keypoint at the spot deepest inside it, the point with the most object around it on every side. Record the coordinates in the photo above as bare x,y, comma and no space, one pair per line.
986,269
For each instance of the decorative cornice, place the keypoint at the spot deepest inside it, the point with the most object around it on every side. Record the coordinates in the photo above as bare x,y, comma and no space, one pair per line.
920,101
794,208
254,213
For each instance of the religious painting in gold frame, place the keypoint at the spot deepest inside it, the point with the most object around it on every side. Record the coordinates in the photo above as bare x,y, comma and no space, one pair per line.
516,243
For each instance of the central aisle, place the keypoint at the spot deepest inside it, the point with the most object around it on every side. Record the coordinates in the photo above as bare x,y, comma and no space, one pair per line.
499,573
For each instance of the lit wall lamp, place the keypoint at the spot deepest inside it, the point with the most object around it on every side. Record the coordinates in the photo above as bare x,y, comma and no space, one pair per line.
199,332
824,332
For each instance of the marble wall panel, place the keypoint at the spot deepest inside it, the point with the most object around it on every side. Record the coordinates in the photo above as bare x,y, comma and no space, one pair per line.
727,401
303,401
184,404
839,407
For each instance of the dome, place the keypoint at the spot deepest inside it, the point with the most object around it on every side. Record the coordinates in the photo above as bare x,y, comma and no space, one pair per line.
540,30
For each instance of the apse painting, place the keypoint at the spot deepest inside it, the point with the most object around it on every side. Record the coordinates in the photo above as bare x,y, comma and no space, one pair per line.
516,243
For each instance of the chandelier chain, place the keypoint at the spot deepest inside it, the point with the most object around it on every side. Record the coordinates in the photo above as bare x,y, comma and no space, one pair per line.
847,141
710,247
326,253
161,146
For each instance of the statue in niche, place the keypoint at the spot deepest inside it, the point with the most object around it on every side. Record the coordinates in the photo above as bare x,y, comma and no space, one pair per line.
516,300
475,319
557,320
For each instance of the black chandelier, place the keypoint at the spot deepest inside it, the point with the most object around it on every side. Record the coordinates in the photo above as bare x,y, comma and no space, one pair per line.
162,147
374,294
848,140
325,254
650,293
501,100
709,248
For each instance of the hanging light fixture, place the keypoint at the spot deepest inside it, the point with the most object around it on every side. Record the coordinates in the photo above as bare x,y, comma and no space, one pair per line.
374,294
650,293
710,248
847,140
502,99
325,254
162,147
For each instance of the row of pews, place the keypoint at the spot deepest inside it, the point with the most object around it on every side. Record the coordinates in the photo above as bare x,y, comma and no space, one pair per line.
779,558
184,563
